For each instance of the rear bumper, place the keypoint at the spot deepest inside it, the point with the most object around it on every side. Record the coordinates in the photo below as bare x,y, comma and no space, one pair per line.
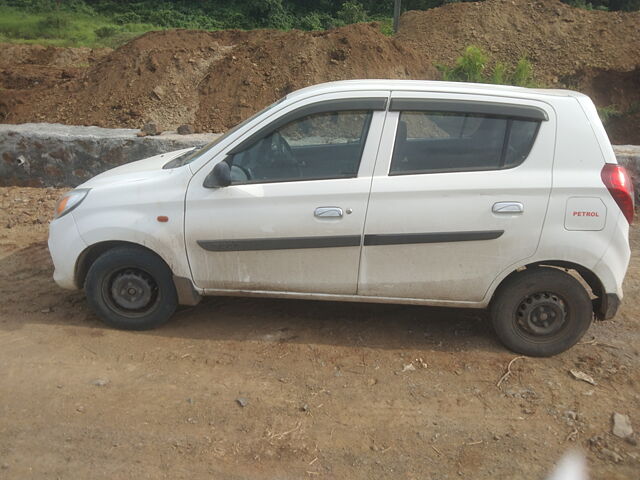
612,267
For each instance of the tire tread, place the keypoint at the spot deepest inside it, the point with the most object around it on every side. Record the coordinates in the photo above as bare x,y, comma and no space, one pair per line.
136,257
541,279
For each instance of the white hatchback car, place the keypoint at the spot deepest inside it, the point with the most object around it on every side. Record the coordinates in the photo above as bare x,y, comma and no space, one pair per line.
416,192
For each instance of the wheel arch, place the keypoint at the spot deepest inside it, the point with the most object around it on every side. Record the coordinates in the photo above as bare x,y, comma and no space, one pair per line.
601,303
187,294
92,252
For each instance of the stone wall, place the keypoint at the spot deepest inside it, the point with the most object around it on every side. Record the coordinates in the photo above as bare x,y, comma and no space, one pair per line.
53,155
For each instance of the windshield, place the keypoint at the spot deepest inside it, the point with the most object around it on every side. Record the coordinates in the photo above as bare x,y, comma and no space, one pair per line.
191,155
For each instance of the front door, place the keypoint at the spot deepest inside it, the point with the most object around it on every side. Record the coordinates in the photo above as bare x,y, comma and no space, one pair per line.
292,219
459,195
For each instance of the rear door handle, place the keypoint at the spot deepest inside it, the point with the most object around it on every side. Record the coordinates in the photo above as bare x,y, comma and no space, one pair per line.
508,207
326,212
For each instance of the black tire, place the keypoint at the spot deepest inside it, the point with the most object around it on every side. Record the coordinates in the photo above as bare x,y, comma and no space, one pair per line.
131,288
541,312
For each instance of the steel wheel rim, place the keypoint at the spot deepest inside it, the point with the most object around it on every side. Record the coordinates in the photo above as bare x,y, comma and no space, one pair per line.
131,292
541,315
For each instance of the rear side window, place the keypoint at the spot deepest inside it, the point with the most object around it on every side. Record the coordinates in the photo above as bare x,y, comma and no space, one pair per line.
430,142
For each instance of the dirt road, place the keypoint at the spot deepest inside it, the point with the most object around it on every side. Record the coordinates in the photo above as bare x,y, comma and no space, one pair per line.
327,389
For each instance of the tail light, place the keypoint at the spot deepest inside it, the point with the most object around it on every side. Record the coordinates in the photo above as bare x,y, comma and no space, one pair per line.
618,182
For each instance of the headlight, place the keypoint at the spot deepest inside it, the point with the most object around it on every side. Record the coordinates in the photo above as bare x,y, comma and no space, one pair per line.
69,201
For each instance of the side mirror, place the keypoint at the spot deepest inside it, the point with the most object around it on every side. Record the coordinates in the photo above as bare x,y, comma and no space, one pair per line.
219,177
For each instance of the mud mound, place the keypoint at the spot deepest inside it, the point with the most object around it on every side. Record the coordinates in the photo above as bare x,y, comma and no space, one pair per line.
625,130
215,79
151,79
25,68
609,87
12,55
556,38
271,64
617,90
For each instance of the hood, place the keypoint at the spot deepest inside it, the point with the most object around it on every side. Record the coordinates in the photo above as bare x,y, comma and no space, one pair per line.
136,171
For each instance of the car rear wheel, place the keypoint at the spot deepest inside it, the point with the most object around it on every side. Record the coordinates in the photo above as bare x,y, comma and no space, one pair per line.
131,288
541,312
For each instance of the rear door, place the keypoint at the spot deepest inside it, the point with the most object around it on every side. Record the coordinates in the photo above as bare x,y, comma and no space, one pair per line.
459,194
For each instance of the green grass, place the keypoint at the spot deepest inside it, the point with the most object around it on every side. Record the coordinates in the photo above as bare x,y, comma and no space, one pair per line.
70,28
65,29
386,25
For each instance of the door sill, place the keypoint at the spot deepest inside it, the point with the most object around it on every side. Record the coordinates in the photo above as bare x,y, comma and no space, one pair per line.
342,298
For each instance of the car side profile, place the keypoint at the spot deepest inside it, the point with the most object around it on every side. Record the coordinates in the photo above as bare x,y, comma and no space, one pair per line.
415,192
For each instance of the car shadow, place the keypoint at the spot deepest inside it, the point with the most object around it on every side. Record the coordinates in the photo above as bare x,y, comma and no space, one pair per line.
338,323
30,296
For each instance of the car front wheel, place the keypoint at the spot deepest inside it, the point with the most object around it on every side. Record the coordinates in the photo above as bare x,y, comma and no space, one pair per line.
541,312
131,288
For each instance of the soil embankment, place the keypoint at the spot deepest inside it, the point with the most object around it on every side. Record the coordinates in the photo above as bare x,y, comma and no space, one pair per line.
212,80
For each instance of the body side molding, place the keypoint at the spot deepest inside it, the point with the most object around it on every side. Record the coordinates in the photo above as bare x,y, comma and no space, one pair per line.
436,237
286,243
291,243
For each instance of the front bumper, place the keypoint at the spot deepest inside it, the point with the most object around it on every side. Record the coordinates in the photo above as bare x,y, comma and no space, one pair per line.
65,246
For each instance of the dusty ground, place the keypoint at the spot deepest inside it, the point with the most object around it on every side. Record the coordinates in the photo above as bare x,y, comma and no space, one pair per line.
324,384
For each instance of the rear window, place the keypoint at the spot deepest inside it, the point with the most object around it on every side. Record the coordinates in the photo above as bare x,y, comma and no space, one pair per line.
431,142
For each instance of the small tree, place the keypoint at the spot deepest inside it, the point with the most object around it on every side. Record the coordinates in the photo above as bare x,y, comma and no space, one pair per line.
352,12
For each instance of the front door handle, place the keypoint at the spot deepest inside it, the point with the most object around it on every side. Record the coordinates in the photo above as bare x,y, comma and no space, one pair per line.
326,212
508,207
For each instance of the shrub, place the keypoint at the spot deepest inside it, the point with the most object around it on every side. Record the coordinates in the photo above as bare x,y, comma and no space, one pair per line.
471,67
54,21
352,12
164,18
386,26
106,31
127,17
311,21
608,113
499,75
53,26
271,14
523,74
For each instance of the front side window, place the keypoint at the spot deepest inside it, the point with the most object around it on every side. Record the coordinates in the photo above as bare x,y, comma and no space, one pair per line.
431,142
314,147
192,155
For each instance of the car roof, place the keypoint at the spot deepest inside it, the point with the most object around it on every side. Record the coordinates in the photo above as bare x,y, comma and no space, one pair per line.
430,86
